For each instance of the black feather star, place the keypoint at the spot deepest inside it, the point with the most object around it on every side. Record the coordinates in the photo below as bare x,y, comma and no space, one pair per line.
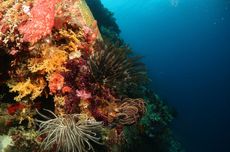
112,65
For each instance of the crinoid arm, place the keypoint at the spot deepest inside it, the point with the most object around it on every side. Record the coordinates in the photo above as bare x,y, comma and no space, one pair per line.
70,132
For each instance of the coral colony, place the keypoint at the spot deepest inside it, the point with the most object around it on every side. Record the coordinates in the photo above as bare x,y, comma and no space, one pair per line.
70,84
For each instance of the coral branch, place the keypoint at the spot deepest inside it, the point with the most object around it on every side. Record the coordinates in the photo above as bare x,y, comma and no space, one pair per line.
34,89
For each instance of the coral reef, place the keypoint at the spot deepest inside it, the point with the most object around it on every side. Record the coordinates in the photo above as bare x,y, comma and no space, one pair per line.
68,82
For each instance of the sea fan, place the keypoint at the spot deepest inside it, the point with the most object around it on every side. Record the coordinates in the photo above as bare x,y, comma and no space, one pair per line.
69,133
112,65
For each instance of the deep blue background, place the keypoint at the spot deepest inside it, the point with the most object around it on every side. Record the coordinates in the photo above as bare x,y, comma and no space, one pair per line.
186,44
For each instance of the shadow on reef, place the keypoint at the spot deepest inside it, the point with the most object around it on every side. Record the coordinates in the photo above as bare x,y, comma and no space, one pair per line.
68,87
4,65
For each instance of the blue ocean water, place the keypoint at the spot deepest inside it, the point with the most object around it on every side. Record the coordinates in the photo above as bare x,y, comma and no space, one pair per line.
186,44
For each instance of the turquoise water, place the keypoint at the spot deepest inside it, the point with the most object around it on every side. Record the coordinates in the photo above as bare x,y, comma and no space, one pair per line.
186,44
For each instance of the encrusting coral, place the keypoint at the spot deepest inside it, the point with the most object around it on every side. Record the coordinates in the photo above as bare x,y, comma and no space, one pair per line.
66,87
40,22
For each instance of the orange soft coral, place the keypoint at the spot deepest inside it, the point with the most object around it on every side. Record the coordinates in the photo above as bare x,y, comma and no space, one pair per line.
56,82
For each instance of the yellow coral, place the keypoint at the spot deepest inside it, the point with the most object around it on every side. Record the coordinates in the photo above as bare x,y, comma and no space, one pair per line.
6,4
84,106
73,39
52,59
28,88
27,114
59,100
59,105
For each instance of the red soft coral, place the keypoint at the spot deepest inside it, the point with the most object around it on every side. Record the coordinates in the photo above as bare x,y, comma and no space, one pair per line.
11,109
41,21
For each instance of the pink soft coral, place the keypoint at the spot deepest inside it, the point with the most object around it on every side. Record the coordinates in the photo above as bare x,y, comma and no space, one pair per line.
41,21
91,33
83,94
